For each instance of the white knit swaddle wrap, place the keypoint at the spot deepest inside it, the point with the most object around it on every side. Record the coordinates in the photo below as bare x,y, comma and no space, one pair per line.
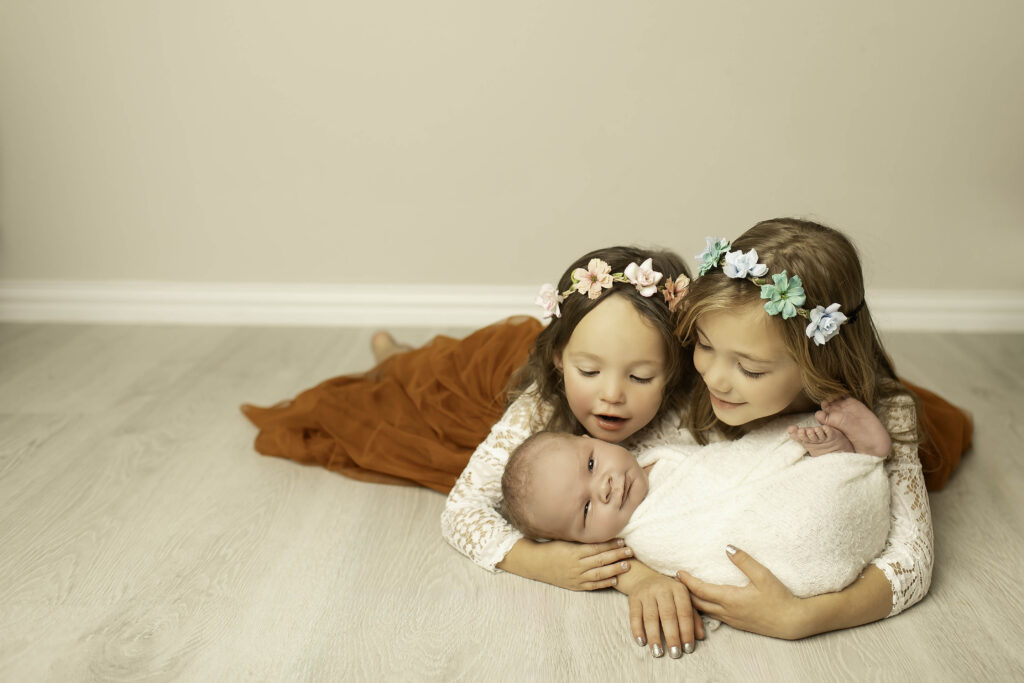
814,522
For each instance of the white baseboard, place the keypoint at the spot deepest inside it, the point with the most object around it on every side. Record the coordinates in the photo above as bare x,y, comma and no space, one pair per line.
129,302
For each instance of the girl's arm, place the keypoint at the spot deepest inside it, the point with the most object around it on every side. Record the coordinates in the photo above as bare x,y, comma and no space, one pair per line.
894,581
471,522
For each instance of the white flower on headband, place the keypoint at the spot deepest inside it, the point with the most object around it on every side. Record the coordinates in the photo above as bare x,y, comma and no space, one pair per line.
548,299
591,281
643,276
825,323
740,265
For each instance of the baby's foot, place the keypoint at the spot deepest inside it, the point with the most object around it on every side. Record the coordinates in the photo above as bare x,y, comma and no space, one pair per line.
821,440
858,423
384,346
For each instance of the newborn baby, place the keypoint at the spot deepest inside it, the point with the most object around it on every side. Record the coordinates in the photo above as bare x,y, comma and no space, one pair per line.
813,521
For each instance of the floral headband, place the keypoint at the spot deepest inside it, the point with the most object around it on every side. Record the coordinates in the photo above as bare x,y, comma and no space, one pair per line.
785,294
598,276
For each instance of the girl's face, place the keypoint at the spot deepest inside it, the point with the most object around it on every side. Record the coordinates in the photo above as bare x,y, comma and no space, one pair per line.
747,369
614,370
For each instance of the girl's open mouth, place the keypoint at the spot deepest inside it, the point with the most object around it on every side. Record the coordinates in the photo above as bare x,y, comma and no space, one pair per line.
610,422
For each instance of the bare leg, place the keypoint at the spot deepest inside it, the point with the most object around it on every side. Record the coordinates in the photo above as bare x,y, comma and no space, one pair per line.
384,346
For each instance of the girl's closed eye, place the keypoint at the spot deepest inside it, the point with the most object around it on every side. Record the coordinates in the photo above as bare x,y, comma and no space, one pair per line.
750,374
587,373
641,380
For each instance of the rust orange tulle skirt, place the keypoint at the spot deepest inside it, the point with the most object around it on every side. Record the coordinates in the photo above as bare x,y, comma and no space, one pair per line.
417,417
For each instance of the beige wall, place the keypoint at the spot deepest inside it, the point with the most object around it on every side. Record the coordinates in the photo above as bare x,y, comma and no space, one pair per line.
485,142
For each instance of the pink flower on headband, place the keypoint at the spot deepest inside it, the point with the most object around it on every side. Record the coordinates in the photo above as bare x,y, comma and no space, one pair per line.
675,291
643,276
591,281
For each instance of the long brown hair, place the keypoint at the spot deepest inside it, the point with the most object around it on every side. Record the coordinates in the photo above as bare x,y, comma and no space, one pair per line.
540,372
852,363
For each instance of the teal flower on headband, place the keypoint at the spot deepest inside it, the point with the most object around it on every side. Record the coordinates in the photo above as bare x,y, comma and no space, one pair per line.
784,296
712,256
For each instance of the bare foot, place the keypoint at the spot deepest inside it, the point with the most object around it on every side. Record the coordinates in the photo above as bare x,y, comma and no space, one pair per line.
858,423
821,440
384,346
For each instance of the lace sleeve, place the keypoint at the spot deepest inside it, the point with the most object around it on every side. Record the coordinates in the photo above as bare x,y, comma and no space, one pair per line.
470,521
909,551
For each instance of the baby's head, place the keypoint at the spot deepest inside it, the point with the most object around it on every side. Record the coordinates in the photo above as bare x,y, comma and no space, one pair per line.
571,488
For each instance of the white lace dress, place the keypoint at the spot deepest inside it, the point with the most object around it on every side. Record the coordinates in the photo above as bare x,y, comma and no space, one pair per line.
471,523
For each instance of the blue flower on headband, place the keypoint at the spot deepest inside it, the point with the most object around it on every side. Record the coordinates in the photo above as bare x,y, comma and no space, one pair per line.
825,323
784,296
712,256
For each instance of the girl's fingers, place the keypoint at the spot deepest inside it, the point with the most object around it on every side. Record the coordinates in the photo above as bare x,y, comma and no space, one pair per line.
698,625
591,549
670,627
712,609
755,571
598,585
652,626
636,621
702,589
683,620
606,571
608,557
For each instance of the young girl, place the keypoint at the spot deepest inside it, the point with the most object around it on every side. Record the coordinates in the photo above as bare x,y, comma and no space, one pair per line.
778,323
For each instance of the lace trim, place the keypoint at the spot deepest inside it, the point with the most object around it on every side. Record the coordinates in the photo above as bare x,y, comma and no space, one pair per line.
909,554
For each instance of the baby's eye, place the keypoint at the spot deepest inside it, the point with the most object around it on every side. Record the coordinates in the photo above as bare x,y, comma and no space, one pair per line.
752,375
641,380
590,466
586,509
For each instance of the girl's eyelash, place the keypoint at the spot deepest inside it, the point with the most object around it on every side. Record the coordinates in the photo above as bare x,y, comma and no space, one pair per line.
641,380
752,375
587,373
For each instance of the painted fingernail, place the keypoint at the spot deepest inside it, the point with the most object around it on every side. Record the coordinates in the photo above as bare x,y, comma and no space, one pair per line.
688,648
624,565
674,652
641,641
629,552
622,542
731,549
614,581
657,651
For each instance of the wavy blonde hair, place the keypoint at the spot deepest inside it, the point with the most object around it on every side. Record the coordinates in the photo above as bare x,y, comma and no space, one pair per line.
853,363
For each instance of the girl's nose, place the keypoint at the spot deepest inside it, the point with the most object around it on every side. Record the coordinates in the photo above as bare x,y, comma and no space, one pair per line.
611,390
716,377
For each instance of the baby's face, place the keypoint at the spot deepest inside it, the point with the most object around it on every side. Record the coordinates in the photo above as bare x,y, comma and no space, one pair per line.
584,489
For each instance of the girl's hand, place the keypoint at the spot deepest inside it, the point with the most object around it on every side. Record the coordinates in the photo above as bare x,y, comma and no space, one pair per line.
576,566
660,607
763,606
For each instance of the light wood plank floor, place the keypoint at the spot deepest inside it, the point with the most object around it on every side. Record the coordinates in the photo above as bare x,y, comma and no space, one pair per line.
141,537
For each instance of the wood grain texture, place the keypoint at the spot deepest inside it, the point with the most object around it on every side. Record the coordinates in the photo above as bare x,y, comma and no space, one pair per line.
142,539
